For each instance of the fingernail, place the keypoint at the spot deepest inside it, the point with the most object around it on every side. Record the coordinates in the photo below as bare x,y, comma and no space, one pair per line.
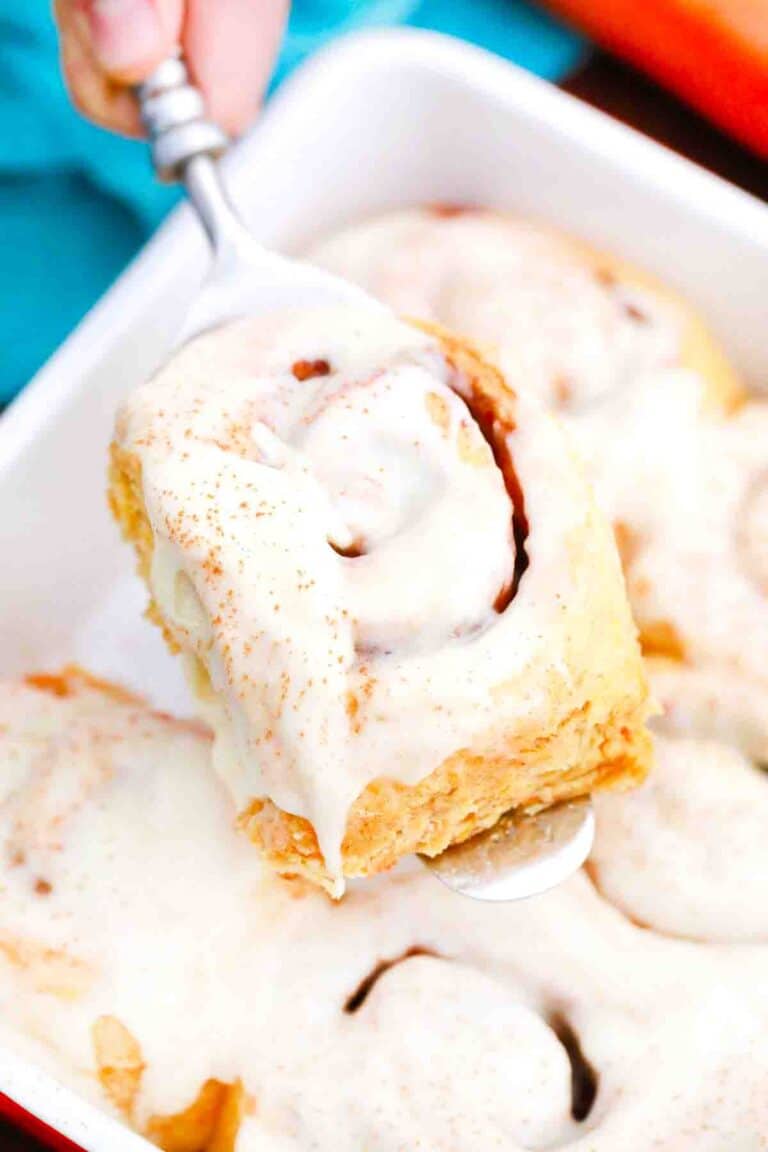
126,34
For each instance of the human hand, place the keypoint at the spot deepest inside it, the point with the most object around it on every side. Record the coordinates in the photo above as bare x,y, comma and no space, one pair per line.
109,45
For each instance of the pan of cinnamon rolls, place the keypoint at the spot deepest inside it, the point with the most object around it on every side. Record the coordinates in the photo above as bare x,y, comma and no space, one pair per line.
416,580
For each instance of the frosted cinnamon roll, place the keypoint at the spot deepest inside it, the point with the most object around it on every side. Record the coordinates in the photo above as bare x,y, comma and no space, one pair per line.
565,322
151,962
399,608
692,519
710,702
676,453
100,903
687,853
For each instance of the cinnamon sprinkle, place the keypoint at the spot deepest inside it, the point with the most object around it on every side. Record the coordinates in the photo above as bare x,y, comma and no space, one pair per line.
310,369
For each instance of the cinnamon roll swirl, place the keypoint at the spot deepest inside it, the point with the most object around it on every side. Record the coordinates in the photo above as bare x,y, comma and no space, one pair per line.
399,607
675,449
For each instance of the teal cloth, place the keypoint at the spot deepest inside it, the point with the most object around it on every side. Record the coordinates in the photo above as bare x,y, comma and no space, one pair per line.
76,202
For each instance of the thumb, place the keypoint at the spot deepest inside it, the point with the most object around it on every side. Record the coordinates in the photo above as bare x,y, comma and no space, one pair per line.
107,45
129,37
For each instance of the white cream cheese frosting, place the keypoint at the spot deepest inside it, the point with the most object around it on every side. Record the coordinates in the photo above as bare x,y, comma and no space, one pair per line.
330,523
710,702
404,1017
687,854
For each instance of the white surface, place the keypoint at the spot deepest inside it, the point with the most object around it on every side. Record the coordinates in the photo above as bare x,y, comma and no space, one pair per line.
372,122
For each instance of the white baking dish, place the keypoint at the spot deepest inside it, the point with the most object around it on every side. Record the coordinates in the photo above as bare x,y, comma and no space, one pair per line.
376,120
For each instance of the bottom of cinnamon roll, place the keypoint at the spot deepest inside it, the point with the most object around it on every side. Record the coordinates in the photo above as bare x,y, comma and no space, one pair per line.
400,609
591,750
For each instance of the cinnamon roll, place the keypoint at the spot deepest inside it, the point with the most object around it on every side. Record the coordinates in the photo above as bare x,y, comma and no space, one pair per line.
675,450
687,854
97,797
149,960
710,702
398,605
565,322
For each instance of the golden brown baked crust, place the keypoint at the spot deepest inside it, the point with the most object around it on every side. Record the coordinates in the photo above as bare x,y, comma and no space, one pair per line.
209,1124
598,742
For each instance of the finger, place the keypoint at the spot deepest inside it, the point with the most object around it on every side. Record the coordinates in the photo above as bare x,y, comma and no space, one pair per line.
92,92
230,46
130,37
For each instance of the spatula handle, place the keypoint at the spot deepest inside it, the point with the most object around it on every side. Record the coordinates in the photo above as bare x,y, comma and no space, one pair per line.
173,113
185,146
